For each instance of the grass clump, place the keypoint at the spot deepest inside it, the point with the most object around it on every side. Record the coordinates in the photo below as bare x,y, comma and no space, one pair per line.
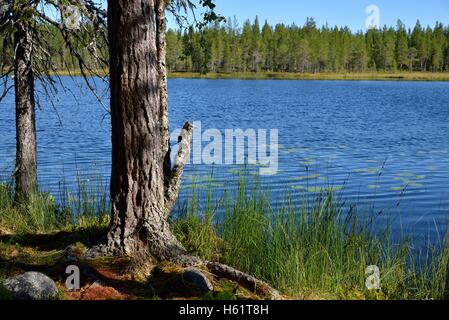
43,214
318,250
39,214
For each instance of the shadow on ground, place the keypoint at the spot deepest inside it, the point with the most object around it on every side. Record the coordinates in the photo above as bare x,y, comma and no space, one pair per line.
103,279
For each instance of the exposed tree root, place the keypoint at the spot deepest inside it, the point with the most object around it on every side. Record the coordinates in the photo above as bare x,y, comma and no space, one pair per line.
222,271
217,270
247,281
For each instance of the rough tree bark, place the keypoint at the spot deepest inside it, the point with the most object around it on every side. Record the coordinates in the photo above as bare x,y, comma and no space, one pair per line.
144,185
161,44
26,163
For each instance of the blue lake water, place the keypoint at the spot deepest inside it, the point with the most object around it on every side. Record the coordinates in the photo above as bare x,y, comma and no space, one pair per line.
383,145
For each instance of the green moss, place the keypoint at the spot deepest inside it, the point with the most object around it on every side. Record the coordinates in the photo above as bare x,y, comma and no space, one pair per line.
5,294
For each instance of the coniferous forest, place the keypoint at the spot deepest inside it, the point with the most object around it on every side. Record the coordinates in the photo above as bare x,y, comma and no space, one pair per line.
229,47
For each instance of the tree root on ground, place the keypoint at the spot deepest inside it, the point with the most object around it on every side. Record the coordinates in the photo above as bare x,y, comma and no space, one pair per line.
247,281
217,270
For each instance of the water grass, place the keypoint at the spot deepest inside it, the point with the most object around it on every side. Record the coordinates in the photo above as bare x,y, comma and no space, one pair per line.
88,207
319,250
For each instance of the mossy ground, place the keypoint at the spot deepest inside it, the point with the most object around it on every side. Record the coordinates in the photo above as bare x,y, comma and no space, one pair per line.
136,278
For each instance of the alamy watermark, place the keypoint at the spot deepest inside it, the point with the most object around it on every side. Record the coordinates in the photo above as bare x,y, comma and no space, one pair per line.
234,147
71,17
373,20
372,274
73,280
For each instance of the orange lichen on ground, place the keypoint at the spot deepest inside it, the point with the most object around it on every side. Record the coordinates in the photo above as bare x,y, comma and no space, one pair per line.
103,279
97,292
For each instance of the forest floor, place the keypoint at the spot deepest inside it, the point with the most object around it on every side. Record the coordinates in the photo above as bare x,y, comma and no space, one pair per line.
135,278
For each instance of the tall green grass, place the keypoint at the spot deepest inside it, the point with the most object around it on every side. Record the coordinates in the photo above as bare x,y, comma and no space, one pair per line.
88,207
317,250
40,213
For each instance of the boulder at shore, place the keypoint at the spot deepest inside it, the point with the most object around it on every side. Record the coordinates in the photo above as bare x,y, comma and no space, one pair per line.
31,286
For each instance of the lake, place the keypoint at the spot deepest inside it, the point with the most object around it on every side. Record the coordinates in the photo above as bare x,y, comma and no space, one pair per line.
383,146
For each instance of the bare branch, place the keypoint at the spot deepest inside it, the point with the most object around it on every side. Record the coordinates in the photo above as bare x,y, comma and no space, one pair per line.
183,155
6,91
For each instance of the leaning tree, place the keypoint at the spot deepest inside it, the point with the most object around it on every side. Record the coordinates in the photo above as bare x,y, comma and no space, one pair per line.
27,55
144,184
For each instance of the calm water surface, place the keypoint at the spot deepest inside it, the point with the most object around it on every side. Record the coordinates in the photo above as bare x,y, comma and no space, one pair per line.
383,145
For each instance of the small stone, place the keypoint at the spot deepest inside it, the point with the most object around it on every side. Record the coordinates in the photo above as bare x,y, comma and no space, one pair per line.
70,253
32,286
197,278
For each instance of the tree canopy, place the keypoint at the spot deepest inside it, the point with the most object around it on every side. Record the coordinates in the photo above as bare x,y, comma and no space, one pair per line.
227,47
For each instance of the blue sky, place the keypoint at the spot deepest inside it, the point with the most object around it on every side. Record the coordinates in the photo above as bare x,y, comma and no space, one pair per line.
336,12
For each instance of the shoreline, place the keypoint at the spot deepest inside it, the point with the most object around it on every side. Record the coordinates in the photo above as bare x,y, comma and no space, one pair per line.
356,76
362,76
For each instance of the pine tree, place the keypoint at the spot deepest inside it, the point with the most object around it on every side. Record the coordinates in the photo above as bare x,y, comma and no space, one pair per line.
402,50
267,44
438,46
417,42
389,47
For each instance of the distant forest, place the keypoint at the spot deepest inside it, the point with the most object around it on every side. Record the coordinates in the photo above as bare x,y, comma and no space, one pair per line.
228,47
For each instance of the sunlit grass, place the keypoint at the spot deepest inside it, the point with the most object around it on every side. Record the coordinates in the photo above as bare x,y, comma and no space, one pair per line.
406,76
397,76
86,208
317,250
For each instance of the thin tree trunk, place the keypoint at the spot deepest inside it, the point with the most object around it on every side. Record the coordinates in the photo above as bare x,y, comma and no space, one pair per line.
26,163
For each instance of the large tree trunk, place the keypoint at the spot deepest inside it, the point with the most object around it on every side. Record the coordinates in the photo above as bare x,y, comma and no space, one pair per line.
161,44
26,164
143,184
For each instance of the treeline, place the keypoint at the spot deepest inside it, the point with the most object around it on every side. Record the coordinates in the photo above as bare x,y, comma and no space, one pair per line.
52,52
226,47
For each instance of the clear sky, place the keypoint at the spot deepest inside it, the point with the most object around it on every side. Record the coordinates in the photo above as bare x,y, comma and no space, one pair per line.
349,13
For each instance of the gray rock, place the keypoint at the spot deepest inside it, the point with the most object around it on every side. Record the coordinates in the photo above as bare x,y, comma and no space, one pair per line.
197,278
32,286
70,253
